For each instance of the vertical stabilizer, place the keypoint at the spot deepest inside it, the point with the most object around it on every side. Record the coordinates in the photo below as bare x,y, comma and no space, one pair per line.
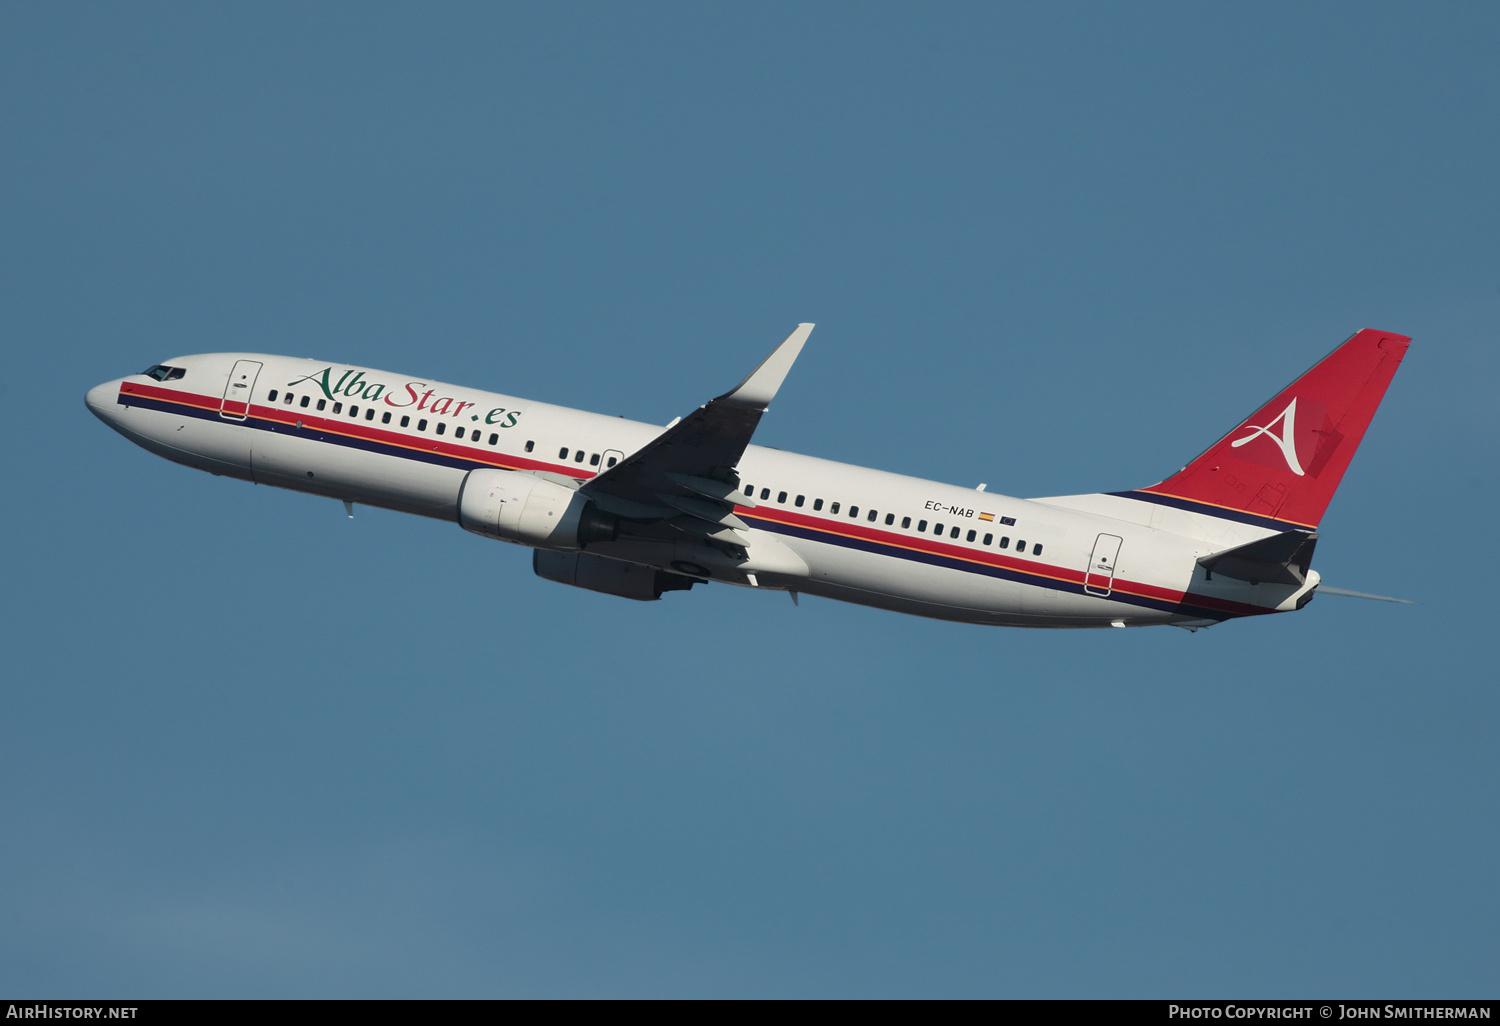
1280,467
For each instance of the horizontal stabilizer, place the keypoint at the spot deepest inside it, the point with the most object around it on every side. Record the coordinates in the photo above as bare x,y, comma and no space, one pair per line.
1280,559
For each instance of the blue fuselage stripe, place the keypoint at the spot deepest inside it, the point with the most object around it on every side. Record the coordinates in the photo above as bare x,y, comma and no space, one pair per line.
1208,509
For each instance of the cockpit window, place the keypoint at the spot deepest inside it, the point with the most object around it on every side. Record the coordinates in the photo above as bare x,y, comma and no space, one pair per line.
161,372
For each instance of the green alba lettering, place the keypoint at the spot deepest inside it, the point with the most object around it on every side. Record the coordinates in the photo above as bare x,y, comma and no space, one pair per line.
321,379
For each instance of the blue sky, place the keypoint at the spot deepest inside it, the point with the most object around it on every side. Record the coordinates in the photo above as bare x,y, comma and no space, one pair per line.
254,748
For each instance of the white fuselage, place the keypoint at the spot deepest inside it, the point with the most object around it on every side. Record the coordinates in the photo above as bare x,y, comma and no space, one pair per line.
853,533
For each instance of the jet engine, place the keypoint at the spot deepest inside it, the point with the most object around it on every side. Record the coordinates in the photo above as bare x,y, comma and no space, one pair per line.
628,580
528,510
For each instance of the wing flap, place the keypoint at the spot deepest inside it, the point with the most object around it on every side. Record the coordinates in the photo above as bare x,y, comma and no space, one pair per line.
708,531
709,512
719,491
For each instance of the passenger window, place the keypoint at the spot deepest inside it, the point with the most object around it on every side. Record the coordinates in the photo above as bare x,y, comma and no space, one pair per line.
1020,546
594,460
970,536
921,525
322,403
799,501
338,407
1005,543
458,433
905,523
354,411
890,518
781,497
442,426
405,420
750,491
612,461
937,529
578,456
270,398
289,398
370,413
1036,550
385,418
872,516
765,493
989,538
562,453
422,425
530,446
853,512
305,400
955,532
833,507
817,504
494,438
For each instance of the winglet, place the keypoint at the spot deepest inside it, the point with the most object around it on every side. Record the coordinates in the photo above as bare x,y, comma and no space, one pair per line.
760,387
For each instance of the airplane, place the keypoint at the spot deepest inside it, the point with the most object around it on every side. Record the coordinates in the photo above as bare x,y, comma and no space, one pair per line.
634,510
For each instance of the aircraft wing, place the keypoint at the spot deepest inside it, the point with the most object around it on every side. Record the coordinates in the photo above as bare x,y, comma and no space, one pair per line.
687,472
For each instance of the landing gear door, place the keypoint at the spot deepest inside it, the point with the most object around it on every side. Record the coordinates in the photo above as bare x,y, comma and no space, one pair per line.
236,404
1099,578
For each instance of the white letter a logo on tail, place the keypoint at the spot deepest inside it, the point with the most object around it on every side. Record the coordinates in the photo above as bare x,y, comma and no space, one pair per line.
1287,439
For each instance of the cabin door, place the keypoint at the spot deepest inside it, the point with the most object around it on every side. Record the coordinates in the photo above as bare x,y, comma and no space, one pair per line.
1099,578
236,404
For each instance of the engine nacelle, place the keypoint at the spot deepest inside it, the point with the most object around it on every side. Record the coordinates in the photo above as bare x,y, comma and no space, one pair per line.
627,580
527,510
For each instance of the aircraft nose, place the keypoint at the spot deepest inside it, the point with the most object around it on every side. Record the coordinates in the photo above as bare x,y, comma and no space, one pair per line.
101,399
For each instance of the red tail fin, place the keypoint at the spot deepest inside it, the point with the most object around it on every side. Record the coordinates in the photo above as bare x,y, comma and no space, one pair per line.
1284,463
